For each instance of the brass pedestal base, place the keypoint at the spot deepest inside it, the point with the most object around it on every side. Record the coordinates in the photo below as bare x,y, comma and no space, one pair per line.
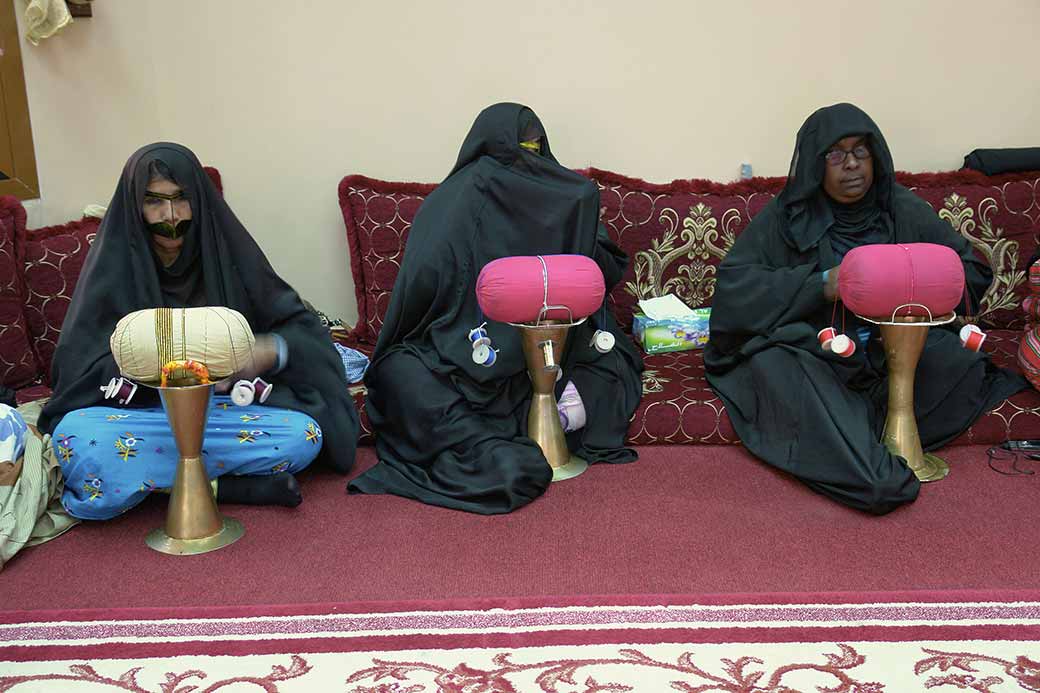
904,339
231,530
193,523
543,348
573,468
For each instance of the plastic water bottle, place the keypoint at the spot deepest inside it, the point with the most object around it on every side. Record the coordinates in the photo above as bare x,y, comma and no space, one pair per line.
745,171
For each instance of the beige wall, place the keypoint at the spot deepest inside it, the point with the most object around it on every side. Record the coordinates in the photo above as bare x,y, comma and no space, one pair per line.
286,98
90,102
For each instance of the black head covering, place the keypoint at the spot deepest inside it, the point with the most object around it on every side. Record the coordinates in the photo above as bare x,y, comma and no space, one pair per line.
497,133
804,409
501,199
809,212
182,282
220,265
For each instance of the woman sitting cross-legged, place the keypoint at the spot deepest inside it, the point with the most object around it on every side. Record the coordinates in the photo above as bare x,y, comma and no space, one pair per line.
813,413
452,432
168,240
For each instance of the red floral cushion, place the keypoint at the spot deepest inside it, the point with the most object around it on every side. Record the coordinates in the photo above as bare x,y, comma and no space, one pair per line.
1000,215
1016,418
677,233
378,216
678,407
18,366
54,257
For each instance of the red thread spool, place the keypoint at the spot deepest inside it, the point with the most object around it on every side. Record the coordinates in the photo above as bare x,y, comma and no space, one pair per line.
120,389
245,392
263,389
843,346
972,337
826,336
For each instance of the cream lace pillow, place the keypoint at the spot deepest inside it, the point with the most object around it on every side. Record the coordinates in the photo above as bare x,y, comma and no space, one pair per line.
146,340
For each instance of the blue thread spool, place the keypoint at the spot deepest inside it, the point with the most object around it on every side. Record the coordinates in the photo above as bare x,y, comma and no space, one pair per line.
483,355
478,336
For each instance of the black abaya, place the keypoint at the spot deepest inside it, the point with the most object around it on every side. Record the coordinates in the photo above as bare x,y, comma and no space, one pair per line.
811,412
450,432
219,261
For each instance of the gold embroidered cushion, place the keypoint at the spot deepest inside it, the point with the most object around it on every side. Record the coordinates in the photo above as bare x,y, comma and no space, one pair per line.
146,340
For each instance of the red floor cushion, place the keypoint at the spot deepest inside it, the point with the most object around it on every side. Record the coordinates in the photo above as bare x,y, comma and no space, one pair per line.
1018,417
678,406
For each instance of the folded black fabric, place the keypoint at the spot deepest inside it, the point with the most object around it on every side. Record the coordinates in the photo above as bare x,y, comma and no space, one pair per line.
7,396
993,161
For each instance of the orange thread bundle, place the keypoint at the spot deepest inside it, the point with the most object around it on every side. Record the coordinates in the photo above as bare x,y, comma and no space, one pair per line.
189,366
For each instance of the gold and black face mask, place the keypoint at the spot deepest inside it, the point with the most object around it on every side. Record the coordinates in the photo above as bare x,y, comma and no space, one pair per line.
534,146
165,228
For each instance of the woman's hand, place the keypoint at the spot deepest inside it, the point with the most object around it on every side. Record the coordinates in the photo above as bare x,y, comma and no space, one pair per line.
264,358
830,287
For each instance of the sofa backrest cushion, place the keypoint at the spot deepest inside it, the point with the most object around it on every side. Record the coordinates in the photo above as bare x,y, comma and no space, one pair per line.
677,233
18,366
378,216
54,256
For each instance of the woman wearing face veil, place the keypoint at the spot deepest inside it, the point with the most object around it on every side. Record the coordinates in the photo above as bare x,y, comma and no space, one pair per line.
811,412
168,239
451,432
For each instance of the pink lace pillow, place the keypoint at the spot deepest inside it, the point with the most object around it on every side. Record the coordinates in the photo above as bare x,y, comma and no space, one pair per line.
883,280
515,289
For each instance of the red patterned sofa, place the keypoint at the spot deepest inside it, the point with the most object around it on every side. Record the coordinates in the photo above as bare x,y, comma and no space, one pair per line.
676,234
39,270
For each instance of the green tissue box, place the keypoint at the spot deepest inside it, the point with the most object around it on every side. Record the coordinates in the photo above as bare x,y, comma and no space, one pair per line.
672,334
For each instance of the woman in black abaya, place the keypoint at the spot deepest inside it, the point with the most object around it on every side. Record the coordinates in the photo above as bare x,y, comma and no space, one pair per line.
450,432
168,239
811,412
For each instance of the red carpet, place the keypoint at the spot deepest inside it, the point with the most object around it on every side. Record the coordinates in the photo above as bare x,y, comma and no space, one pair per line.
682,520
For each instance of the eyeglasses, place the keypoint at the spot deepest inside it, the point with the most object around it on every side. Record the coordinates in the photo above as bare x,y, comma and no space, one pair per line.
836,157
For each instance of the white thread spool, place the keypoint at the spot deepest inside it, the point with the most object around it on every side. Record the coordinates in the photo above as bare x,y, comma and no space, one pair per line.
242,393
245,392
843,346
602,341
483,355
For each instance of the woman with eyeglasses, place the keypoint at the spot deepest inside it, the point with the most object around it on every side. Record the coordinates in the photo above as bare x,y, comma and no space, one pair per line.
813,413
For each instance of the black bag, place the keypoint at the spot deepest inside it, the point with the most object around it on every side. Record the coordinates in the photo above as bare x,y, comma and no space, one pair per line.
993,161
